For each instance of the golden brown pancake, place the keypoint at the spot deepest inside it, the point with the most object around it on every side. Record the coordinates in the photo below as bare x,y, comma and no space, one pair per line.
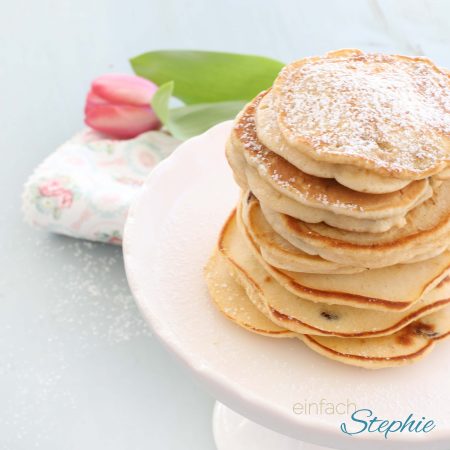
276,250
406,346
362,180
394,288
403,347
386,113
426,233
281,203
315,192
231,300
303,316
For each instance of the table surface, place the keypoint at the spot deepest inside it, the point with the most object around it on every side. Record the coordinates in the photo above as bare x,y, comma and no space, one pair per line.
79,367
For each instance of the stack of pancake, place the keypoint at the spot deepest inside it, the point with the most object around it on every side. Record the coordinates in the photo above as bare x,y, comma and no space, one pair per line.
341,236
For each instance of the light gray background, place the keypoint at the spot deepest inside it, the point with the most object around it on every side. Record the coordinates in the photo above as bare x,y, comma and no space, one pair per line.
79,368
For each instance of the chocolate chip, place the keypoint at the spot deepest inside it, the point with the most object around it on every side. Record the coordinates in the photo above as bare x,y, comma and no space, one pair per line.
424,329
427,333
329,316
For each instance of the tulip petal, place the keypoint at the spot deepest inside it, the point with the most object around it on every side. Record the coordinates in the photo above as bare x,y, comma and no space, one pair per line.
123,122
124,89
94,98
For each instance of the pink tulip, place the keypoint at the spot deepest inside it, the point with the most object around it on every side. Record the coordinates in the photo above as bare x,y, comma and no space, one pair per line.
119,106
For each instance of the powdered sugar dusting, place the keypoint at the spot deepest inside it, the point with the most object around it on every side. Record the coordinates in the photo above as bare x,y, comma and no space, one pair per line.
265,160
374,110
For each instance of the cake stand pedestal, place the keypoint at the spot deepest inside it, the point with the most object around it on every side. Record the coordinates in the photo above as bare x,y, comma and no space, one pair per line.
234,432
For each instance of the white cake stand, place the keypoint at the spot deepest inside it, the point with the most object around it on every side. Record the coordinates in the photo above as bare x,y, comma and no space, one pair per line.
171,230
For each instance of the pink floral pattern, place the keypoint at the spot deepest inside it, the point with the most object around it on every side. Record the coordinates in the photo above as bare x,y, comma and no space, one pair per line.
54,188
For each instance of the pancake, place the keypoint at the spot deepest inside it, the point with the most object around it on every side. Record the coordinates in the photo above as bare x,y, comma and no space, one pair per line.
394,288
386,113
444,175
406,346
315,192
403,347
246,176
278,252
237,163
426,233
355,178
303,316
279,202
232,301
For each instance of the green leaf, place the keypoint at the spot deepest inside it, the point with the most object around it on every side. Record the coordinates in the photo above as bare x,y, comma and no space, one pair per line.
160,101
188,121
204,77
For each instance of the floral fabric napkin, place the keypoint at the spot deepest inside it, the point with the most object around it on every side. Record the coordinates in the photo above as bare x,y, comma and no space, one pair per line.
84,189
